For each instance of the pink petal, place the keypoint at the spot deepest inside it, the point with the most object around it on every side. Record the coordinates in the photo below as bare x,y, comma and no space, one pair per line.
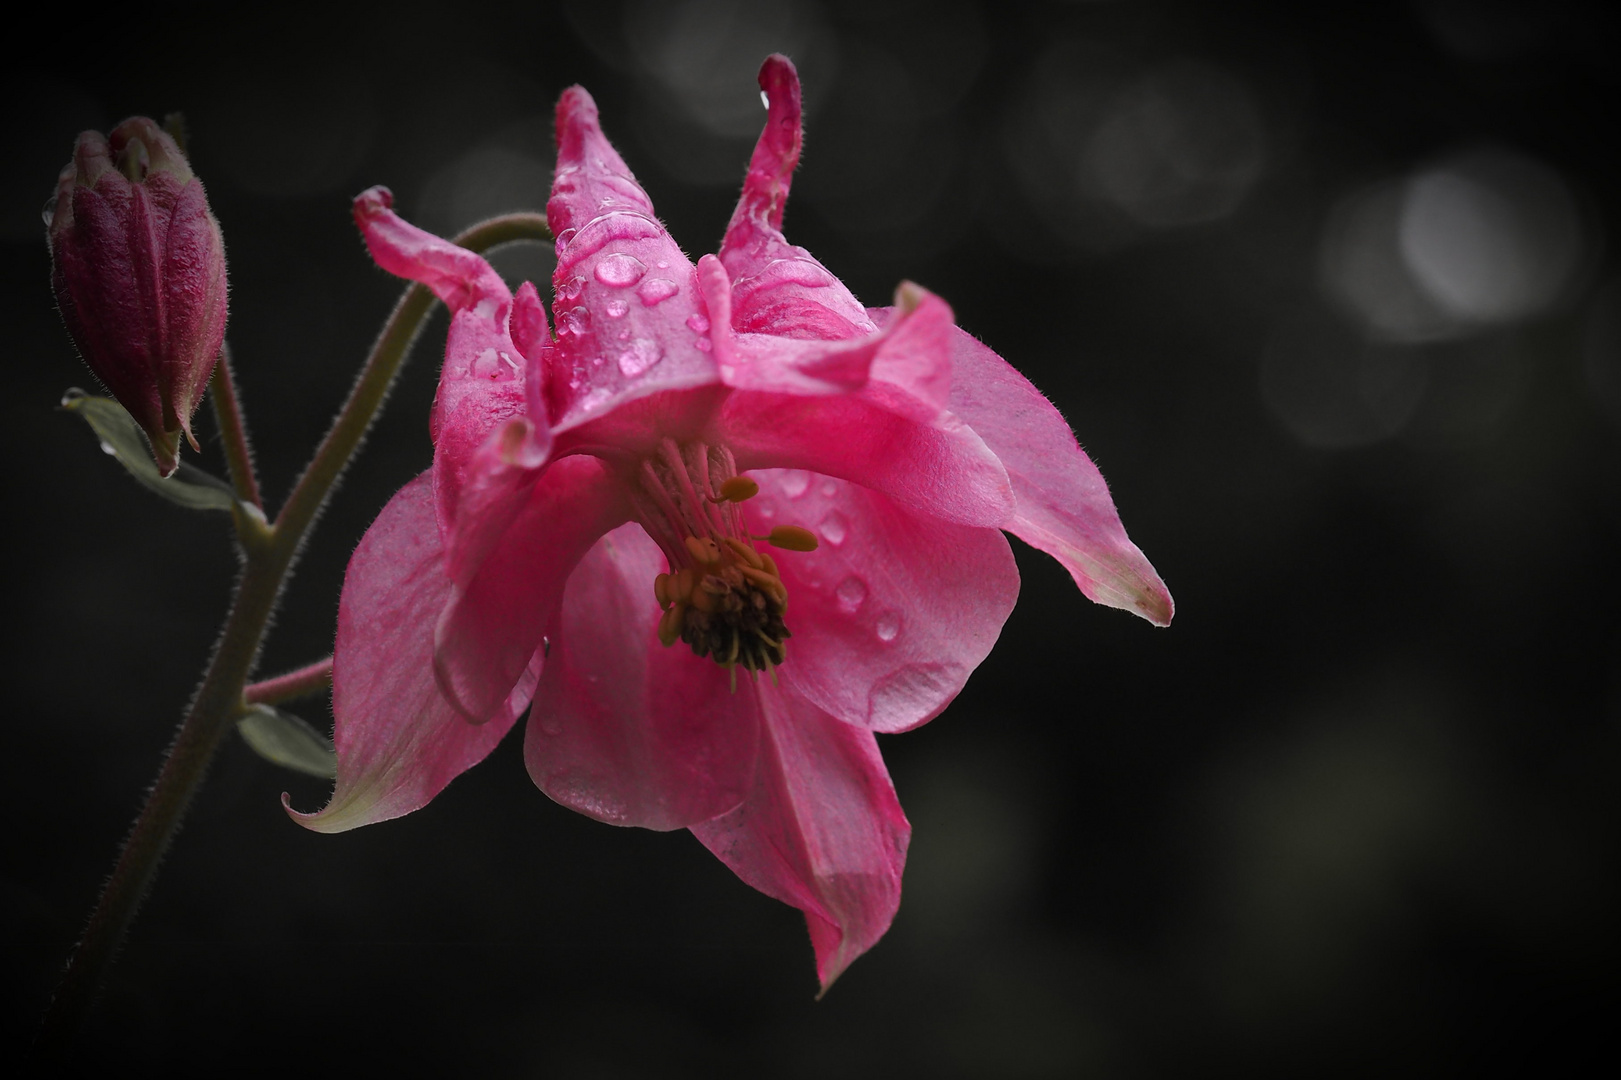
895,609
399,741
482,381
627,306
942,468
1064,506
505,597
623,729
779,288
822,830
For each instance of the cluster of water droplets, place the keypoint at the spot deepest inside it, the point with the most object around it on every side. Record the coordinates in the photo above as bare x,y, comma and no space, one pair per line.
852,592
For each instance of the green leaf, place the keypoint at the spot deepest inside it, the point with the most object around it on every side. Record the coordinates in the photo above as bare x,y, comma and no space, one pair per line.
285,740
123,438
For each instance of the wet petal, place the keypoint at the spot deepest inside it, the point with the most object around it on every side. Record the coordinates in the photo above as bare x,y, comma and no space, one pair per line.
942,468
623,729
822,830
1064,506
779,288
482,381
895,608
625,293
399,741
505,597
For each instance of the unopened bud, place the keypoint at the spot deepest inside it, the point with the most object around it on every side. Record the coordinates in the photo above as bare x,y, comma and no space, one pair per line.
138,265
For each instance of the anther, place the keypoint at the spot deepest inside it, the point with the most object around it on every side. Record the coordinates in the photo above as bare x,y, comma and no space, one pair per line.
792,538
703,549
738,489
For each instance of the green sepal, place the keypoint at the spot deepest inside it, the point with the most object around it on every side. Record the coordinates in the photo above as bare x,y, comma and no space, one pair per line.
123,438
283,739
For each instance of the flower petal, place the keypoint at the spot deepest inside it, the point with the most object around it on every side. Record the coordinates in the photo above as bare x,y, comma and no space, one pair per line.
506,595
626,307
625,730
482,381
779,288
399,741
942,468
895,609
1064,506
822,830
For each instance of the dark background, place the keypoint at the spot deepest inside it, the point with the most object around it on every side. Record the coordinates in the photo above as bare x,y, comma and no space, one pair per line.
1328,291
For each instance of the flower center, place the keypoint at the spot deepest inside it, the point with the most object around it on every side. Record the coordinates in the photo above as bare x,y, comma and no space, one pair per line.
722,596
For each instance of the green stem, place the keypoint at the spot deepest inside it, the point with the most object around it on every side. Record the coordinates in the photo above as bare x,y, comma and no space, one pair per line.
307,680
269,551
233,432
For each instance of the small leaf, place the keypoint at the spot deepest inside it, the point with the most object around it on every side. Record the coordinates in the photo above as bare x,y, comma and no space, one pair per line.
285,740
123,438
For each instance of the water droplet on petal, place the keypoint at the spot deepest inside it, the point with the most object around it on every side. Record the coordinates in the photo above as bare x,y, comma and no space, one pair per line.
656,291
829,489
704,344
550,724
619,271
615,309
794,482
851,594
834,527
697,323
642,354
765,99
564,237
889,626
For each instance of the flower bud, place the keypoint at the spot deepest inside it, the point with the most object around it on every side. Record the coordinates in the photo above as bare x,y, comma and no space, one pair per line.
138,265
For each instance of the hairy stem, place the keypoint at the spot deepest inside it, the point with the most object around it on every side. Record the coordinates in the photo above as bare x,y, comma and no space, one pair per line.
233,430
270,551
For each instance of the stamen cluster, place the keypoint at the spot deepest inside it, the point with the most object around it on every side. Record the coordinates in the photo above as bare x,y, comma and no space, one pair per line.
722,596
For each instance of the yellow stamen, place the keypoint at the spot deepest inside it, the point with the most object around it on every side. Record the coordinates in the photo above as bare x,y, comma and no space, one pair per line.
746,553
703,549
661,591
792,538
738,489
671,624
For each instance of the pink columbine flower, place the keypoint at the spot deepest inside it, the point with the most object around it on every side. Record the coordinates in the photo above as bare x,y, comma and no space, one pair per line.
718,530
138,265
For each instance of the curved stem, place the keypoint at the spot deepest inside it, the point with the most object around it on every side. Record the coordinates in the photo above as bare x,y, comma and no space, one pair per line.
302,682
233,430
269,551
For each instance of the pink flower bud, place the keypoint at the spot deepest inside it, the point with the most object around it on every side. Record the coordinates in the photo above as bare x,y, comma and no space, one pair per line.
138,265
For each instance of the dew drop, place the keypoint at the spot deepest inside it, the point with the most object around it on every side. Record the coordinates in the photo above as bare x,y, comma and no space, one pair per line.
697,323
656,291
829,489
488,365
834,527
765,99
615,309
572,321
889,625
795,482
642,354
704,344
851,594
550,724
564,237
619,271
107,448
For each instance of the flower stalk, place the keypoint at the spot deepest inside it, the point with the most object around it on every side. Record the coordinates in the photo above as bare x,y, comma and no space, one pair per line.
269,552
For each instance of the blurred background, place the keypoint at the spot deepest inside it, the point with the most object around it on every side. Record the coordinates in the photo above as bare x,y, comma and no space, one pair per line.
1330,293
